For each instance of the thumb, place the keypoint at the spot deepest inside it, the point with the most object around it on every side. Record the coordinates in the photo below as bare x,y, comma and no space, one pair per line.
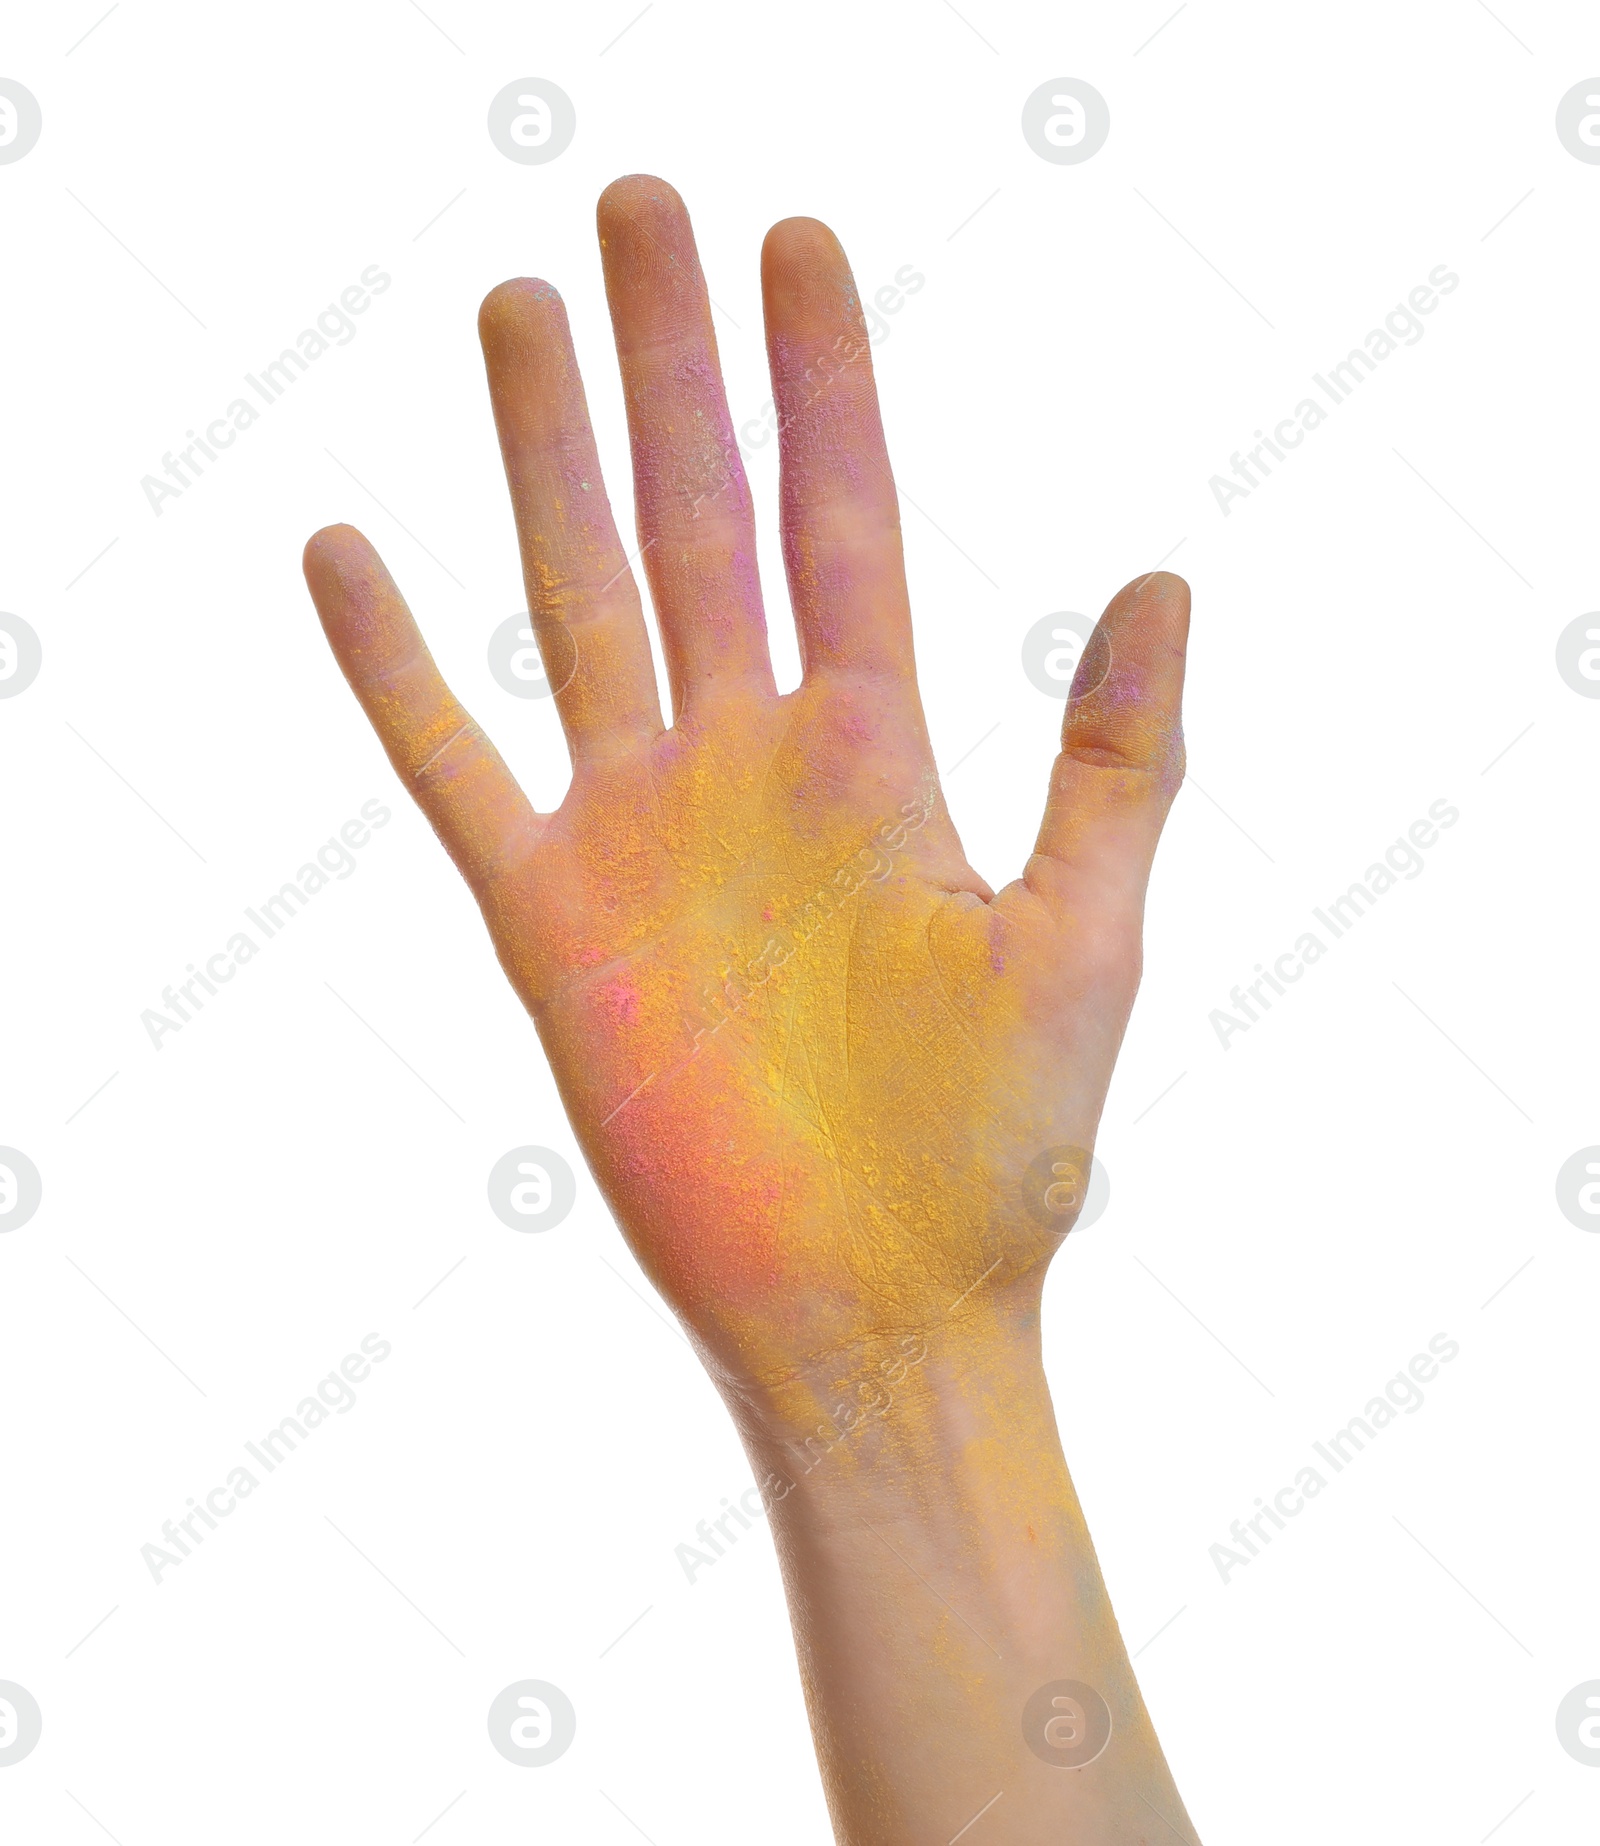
1121,758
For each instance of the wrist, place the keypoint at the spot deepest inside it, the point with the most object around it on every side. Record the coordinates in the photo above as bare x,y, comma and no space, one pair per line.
943,1587
909,1424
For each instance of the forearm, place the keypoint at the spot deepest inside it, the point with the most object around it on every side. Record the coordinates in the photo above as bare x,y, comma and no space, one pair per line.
942,1583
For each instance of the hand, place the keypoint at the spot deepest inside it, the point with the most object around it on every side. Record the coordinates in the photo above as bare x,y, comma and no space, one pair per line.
810,1056
817,1066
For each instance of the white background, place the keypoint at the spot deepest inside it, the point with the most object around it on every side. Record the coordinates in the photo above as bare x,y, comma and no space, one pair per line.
1364,1169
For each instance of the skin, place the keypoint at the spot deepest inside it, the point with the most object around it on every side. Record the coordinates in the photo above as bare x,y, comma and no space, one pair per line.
817,1065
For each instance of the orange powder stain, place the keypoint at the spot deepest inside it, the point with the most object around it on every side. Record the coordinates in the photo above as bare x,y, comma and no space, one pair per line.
788,1050
620,999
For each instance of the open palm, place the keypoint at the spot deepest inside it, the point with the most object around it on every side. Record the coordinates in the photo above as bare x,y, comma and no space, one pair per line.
830,1083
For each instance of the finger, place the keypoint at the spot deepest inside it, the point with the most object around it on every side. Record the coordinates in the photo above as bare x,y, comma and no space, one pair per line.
582,600
840,517
691,501
1121,758
450,769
